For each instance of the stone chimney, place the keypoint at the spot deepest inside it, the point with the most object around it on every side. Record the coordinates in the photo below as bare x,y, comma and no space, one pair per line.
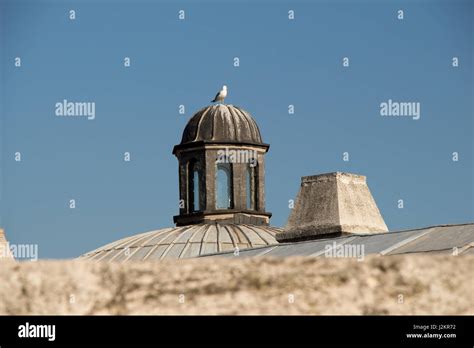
331,205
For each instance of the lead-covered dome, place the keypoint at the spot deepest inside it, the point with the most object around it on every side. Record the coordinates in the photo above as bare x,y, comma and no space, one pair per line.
222,124
185,242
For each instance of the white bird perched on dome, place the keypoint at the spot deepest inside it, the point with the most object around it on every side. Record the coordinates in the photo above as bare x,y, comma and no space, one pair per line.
221,95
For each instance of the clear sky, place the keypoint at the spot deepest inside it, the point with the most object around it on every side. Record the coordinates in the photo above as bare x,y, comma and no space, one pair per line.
282,62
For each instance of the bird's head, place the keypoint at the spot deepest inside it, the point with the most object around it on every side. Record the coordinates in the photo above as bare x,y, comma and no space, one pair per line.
224,88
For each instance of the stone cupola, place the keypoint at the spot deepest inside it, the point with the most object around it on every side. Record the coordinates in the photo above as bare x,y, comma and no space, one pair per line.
221,168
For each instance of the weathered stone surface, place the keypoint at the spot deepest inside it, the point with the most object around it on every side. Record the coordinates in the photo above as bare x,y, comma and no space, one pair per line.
242,286
332,204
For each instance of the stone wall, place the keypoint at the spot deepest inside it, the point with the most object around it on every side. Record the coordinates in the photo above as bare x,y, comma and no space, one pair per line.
412,284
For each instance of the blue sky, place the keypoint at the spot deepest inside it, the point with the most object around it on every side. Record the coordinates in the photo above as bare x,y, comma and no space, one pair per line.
282,62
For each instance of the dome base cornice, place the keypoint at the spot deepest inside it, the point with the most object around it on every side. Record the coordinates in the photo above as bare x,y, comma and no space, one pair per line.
226,216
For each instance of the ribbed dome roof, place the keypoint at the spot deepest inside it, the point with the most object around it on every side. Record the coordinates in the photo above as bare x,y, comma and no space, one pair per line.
185,242
222,123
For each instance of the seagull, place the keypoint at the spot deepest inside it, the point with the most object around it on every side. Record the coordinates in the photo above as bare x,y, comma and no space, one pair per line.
221,95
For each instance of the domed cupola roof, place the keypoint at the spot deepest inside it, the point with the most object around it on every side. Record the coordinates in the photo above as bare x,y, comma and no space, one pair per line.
185,242
222,124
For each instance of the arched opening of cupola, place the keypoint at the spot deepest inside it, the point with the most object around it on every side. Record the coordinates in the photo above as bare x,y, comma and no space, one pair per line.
224,189
194,186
